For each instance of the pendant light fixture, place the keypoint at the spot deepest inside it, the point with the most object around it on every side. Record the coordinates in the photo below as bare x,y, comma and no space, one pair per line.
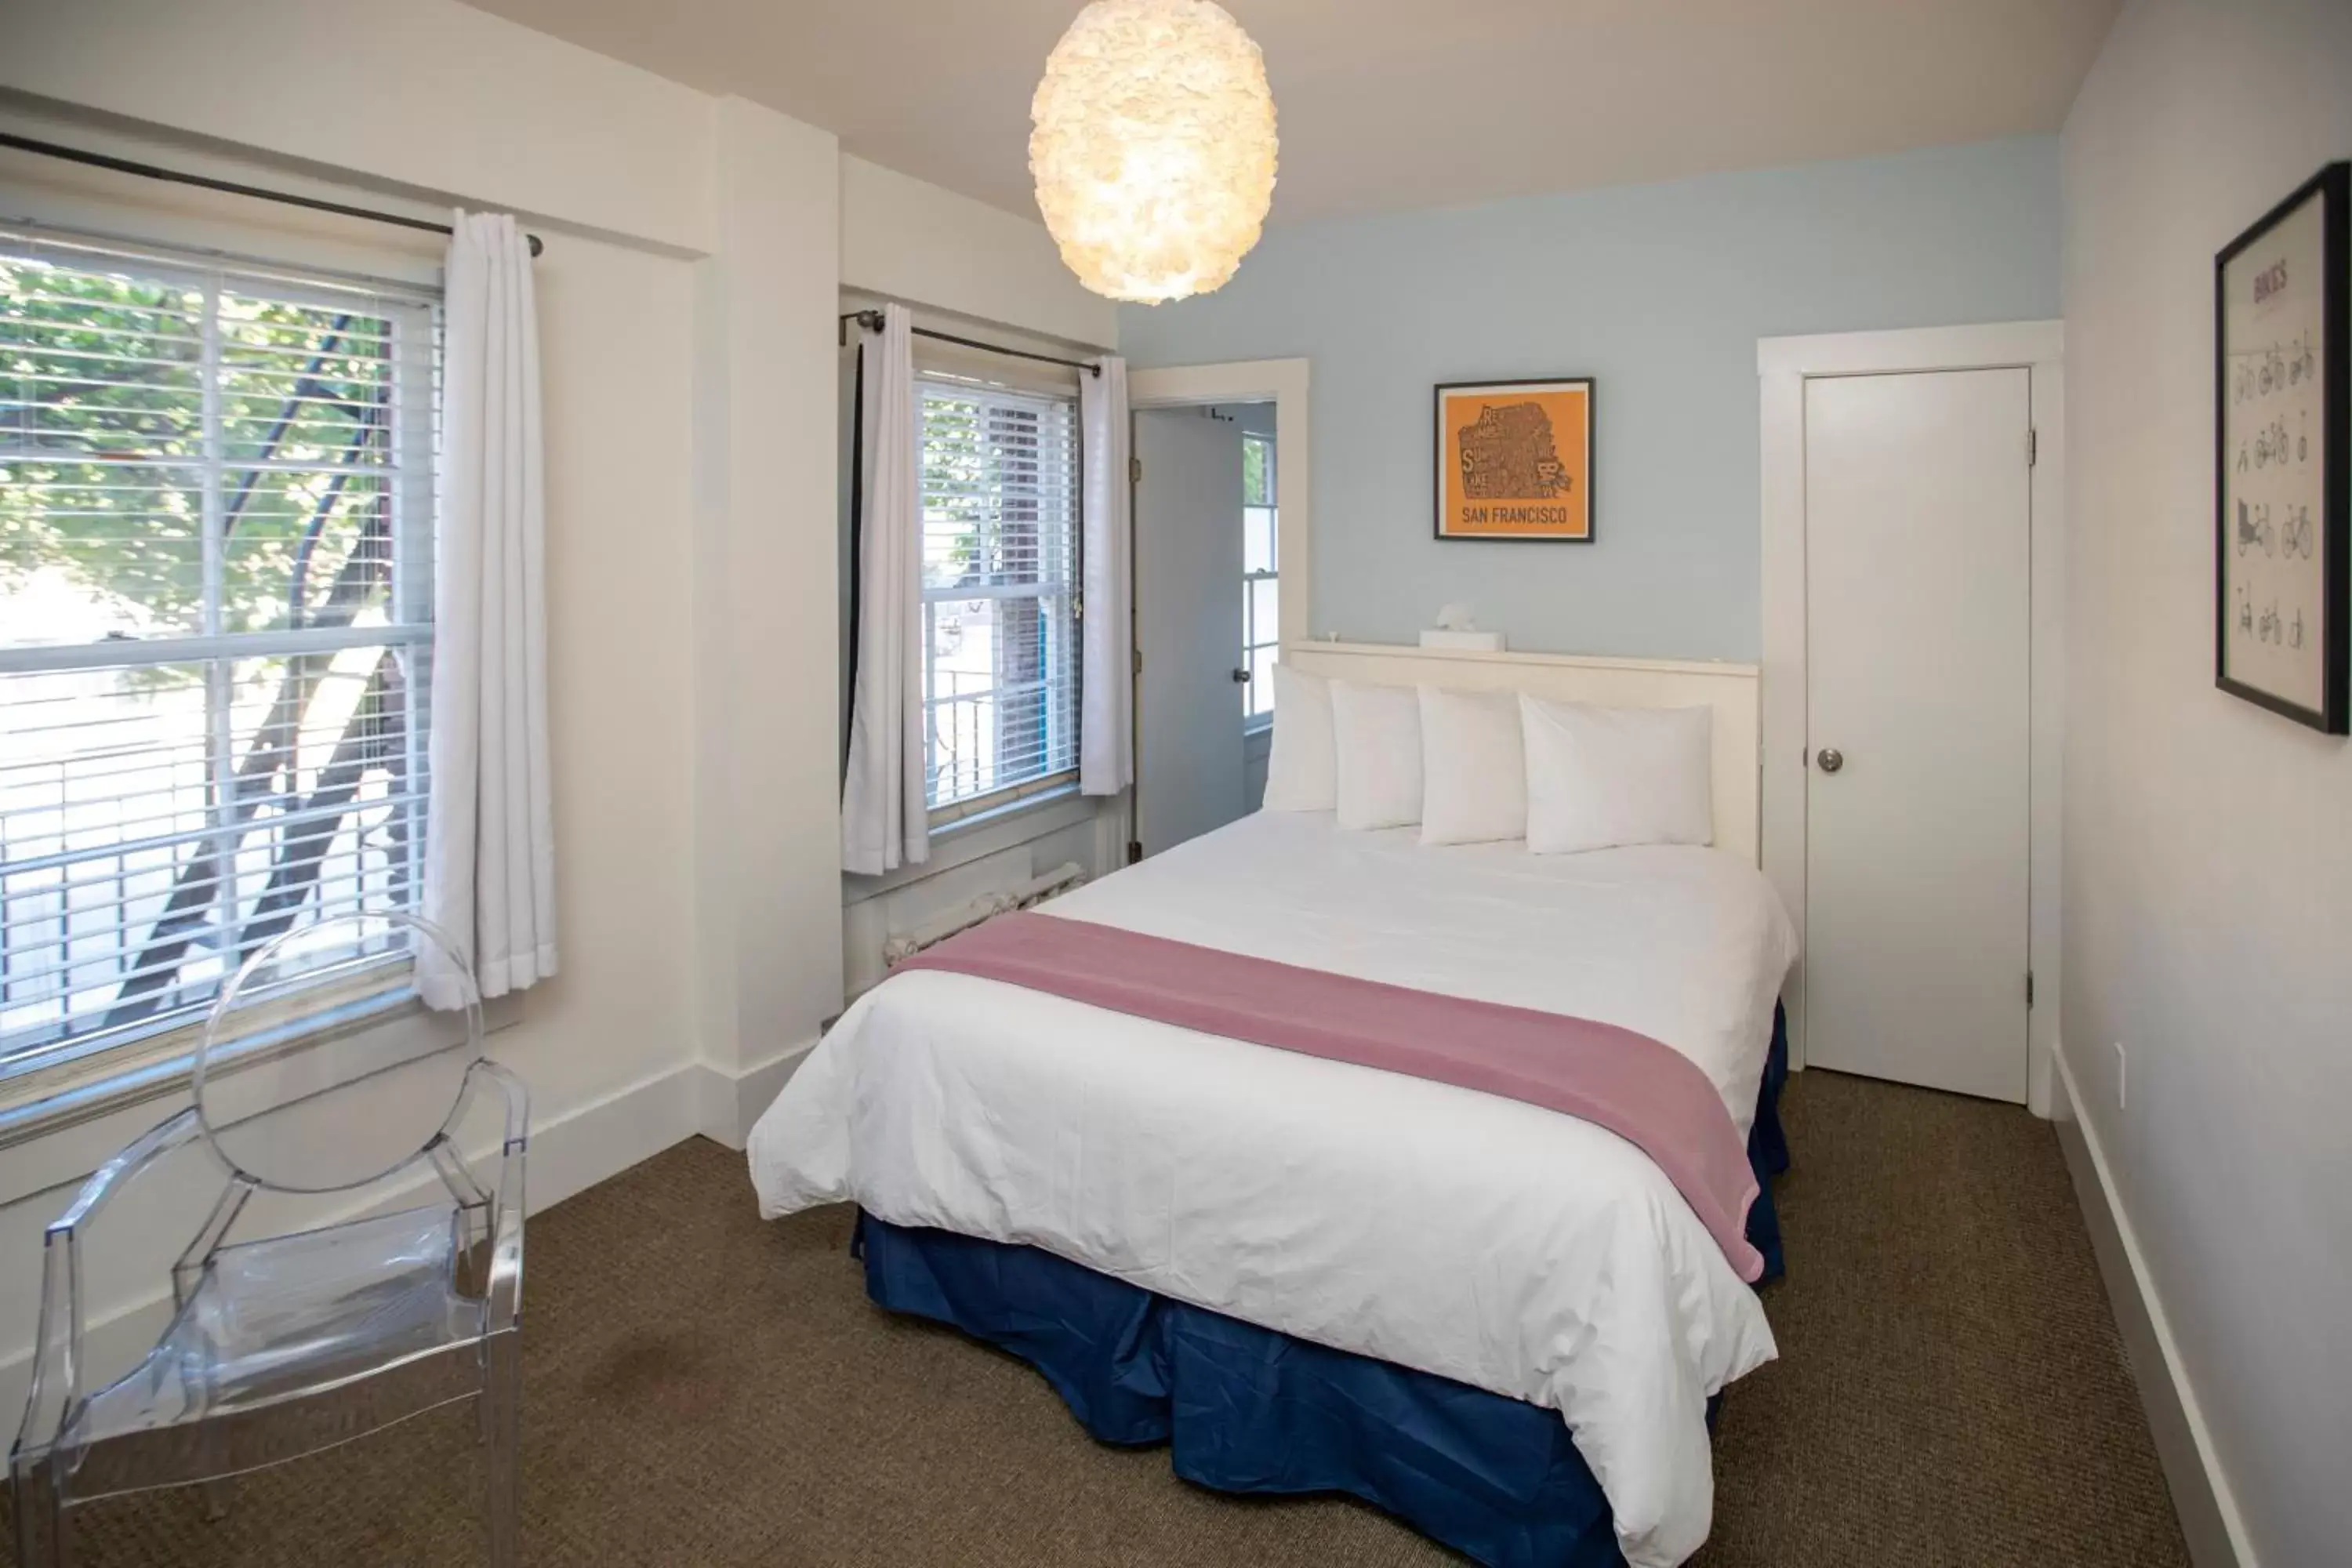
1153,147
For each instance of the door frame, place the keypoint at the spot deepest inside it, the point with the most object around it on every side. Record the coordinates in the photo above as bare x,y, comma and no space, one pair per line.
1784,365
1286,384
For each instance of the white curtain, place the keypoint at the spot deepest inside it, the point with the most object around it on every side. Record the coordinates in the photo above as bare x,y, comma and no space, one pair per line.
1107,677
489,869
884,806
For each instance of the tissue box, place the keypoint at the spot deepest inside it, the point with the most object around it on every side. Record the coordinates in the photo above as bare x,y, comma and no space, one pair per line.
1482,642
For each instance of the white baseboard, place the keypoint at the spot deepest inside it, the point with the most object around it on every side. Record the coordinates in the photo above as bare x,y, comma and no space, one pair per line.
604,1137
569,1154
2201,1498
730,1101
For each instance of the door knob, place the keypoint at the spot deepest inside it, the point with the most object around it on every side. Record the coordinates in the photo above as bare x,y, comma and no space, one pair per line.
1831,759
1241,677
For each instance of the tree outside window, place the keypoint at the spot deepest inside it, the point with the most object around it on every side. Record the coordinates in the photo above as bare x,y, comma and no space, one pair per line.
214,627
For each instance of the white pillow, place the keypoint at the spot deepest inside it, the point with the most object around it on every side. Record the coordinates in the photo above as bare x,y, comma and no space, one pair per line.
1600,777
1474,767
1376,731
1299,773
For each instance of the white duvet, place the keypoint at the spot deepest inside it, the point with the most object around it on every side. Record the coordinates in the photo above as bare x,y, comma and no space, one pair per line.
1480,1239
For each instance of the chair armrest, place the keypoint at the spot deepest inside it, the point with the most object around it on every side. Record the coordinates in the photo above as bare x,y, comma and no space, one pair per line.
504,1293
57,1368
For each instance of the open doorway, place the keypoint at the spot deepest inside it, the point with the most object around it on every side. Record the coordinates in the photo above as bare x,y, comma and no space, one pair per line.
1208,614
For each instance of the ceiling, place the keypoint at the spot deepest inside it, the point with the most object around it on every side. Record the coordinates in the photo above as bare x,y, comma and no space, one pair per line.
1391,105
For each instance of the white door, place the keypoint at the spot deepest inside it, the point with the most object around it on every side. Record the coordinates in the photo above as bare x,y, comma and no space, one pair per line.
1188,575
1917,538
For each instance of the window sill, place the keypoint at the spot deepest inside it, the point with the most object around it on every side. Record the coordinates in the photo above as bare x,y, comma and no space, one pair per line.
999,803
986,833
1007,810
42,1103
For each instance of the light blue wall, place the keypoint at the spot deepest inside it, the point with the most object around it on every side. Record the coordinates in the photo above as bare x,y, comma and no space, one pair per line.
1659,292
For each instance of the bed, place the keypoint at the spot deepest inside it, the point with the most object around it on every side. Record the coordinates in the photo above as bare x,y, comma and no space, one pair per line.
1328,1275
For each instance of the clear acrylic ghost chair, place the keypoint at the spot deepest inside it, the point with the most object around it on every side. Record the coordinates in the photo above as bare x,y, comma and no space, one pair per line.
321,1072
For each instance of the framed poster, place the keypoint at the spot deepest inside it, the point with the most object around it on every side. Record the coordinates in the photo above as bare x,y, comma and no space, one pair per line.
1515,460
2281,399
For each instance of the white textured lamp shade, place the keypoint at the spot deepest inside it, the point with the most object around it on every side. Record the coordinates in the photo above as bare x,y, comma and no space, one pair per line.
1153,147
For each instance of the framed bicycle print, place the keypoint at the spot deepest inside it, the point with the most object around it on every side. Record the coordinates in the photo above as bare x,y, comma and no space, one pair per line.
2283,396
1515,460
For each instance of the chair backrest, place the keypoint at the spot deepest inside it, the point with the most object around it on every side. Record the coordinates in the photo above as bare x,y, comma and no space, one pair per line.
322,1068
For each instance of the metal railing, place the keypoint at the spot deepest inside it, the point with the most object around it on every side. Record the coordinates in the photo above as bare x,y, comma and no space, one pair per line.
987,735
76,927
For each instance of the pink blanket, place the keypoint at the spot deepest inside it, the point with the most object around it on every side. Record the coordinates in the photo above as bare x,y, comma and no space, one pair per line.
1649,1094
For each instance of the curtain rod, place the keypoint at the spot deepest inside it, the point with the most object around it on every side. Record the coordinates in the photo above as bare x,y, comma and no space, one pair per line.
177,177
872,319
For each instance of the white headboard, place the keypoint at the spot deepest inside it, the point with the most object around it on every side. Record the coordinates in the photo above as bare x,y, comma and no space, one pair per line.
1729,689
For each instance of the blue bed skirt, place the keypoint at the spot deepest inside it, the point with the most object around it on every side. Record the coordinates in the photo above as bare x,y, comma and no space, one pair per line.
1245,1409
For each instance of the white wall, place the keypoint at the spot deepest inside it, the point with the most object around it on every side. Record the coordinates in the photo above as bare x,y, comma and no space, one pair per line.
968,269
685,300
905,240
435,97
2209,844
698,251
767,824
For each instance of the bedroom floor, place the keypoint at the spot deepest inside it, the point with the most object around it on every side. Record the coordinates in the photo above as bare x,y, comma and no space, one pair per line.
705,1389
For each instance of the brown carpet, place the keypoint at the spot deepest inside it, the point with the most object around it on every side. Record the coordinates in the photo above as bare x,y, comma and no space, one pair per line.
703,1388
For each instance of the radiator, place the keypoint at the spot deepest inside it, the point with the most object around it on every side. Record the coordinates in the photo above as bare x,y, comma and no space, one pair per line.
904,945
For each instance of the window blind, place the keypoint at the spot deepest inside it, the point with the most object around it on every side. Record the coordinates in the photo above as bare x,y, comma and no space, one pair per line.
215,624
1000,591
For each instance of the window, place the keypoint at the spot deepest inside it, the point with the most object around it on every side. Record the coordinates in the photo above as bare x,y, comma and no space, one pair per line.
1000,594
215,536
1261,577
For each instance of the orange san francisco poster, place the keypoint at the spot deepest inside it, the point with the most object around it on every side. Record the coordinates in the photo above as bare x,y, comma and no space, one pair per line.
1515,460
